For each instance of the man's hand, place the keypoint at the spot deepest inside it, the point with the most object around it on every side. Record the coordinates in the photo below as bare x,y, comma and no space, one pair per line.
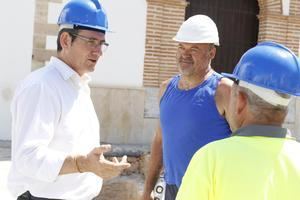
96,163
147,196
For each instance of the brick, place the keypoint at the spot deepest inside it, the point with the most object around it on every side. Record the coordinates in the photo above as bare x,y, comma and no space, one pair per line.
163,20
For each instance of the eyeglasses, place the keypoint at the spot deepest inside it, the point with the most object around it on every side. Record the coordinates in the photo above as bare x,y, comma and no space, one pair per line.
93,43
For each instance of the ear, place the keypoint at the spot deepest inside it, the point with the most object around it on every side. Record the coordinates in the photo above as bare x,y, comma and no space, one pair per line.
212,53
65,40
241,103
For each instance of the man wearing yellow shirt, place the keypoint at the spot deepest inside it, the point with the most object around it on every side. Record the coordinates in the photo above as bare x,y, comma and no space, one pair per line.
260,161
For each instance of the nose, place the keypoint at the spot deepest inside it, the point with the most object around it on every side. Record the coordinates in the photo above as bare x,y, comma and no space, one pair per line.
97,50
186,54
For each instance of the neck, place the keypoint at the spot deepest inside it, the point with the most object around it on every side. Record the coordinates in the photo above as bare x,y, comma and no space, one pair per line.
190,81
68,62
253,121
63,58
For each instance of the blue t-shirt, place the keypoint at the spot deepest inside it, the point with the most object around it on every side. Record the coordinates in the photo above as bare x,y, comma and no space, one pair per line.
189,120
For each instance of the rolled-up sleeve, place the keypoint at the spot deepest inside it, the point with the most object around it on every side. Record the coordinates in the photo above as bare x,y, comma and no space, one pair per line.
35,115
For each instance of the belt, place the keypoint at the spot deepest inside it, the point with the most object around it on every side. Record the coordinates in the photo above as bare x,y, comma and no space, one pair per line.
28,196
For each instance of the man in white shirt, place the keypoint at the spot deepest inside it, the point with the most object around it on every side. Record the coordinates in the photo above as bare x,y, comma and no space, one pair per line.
55,130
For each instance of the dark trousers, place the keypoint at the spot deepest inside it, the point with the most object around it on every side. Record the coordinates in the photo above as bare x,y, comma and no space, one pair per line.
171,192
28,196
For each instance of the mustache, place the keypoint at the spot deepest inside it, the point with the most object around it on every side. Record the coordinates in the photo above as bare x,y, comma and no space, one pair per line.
185,60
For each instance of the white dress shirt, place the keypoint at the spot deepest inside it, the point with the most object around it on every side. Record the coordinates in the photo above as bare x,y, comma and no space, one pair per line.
52,117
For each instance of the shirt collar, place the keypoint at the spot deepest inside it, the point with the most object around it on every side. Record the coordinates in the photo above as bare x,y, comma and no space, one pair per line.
67,72
84,79
262,130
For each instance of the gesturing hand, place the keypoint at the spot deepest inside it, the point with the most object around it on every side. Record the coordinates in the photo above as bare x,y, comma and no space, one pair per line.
96,163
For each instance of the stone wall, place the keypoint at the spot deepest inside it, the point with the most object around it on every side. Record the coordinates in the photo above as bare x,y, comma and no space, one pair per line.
121,114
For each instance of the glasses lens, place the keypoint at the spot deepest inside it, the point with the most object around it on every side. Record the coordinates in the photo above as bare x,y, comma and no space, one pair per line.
92,42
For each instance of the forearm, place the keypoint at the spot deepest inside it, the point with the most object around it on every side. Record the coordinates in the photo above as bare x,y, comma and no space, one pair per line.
71,165
155,165
95,162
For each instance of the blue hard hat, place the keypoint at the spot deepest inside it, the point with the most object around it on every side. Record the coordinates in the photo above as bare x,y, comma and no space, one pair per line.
270,65
84,13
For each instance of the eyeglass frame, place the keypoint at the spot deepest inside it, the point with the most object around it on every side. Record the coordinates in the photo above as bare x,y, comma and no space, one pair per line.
235,80
92,42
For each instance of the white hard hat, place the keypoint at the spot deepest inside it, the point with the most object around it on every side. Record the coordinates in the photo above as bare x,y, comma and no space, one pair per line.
198,29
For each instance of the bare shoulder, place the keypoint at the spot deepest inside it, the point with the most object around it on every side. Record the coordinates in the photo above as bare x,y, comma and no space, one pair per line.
223,94
224,86
163,87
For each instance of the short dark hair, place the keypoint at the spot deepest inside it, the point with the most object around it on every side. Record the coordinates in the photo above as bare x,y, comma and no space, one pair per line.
72,33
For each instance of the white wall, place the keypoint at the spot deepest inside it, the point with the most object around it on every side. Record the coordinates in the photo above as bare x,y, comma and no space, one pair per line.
16,35
122,64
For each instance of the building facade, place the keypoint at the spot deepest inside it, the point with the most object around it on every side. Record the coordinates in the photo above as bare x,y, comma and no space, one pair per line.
142,55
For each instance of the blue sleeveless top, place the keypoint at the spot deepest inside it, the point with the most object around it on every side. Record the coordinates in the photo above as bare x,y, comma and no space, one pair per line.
189,120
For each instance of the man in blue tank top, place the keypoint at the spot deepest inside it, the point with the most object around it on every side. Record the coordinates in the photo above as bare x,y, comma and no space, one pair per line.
193,106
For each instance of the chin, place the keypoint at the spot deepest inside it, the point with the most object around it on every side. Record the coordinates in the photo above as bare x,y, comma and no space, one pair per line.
186,72
91,70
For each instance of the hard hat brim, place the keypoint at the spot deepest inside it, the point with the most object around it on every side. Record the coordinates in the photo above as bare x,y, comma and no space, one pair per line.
196,41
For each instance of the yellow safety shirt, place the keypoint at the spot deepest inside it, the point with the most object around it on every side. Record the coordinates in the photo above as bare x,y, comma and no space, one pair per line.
252,165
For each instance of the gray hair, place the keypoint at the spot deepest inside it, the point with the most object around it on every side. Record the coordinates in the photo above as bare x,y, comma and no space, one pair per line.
262,110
